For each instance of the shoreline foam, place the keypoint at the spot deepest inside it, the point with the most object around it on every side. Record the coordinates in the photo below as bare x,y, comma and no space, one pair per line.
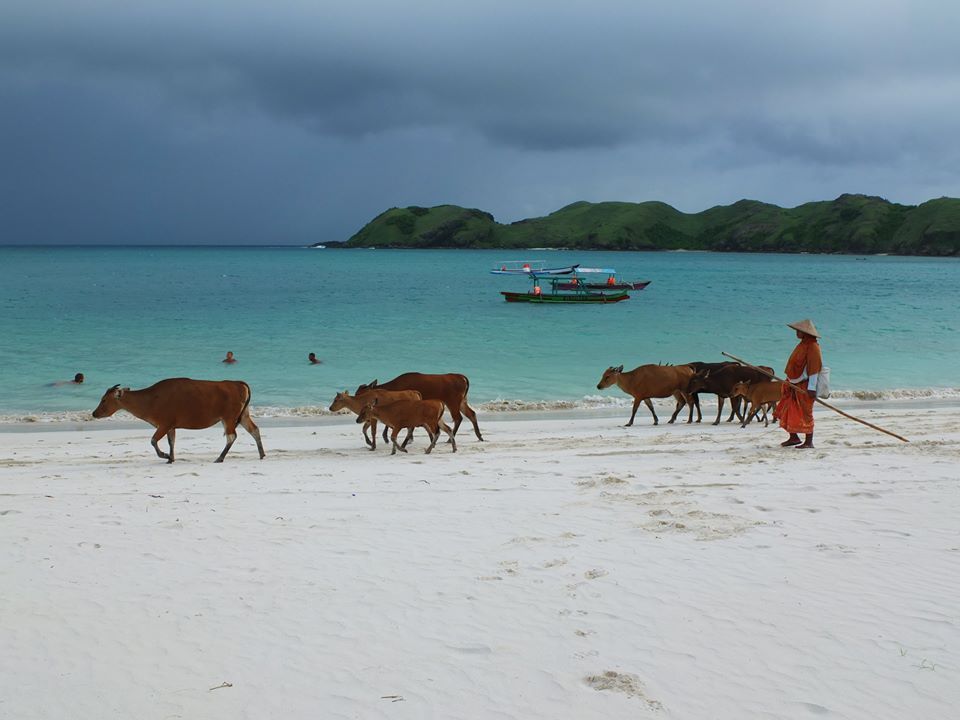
583,407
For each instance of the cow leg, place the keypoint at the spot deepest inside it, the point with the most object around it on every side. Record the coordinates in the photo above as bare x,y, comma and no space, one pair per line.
371,443
385,429
230,430
393,439
636,404
457,416
681,403
735,409
408,438
649,403
472,417
171,438
251,427
719,409
446,428
433,437
155,440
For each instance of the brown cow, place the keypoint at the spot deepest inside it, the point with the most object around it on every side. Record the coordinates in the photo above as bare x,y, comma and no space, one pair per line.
762,394
409,414
449,388
345,401
187,404
650,381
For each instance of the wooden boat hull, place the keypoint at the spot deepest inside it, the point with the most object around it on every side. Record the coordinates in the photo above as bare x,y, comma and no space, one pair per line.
604,286
578,298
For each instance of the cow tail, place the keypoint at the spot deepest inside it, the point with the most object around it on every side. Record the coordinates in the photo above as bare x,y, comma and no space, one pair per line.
246,402
466,391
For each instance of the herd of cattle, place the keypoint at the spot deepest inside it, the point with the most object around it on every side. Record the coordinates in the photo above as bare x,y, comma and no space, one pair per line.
415,400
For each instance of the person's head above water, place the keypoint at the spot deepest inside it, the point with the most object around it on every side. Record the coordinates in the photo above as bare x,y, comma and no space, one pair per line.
78,378
314,360
229,358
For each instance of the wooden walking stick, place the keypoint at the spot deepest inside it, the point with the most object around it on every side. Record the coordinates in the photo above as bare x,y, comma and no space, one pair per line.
825,404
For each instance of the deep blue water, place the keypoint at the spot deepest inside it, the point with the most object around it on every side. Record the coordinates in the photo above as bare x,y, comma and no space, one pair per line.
137,315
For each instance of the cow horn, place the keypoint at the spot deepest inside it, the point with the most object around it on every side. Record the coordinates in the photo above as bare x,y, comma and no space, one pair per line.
114,387
620,369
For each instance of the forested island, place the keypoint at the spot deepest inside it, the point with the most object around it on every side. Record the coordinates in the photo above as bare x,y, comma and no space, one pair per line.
855,224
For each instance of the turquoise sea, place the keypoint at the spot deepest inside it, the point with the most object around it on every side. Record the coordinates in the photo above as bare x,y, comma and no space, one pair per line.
135,315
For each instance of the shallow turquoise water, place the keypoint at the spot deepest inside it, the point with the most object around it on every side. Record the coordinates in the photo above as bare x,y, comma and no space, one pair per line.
136,315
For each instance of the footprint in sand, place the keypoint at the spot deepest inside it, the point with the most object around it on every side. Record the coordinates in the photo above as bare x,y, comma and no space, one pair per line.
594,574
510,567
626,683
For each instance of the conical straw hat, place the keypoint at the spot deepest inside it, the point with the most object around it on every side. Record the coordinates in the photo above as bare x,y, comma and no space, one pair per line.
805,326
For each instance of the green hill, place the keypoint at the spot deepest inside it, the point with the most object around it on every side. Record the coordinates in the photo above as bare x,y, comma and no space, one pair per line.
856,224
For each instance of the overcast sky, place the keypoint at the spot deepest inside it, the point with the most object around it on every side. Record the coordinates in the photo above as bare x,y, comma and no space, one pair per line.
291,122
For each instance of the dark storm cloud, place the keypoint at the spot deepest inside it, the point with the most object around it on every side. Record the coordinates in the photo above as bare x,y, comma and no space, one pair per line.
293,108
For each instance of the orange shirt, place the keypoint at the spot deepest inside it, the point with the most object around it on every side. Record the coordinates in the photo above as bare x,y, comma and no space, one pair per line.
805,360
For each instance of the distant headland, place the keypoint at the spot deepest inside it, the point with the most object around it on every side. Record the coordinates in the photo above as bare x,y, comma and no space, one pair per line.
851,224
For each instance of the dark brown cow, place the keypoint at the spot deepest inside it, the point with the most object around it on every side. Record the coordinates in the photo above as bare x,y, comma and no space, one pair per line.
650,381
186,404
720,382
450,388
409,414
694,398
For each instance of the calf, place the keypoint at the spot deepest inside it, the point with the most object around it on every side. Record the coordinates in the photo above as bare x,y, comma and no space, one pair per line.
187,404
762,394
345,401
409,414
450,388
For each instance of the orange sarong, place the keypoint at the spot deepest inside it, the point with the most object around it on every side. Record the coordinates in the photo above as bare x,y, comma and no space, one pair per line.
795,410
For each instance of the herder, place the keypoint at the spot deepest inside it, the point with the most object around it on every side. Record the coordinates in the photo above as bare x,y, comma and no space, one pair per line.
803,369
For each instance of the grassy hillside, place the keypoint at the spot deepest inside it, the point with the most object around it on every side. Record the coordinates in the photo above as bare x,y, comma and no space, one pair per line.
856,224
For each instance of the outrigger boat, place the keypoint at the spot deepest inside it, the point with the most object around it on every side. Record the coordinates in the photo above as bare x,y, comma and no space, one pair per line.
611,283
530,267
561,289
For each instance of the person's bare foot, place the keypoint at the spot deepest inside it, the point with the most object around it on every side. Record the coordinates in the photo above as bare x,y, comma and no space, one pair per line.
791,441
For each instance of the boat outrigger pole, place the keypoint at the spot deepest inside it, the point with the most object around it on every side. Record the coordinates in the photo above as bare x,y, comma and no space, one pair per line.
825,404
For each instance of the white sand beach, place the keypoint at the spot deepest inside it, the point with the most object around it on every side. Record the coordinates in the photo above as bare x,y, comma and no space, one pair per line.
565,568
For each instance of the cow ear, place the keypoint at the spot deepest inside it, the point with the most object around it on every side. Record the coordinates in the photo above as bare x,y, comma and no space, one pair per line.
119,393
373,384
620,369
